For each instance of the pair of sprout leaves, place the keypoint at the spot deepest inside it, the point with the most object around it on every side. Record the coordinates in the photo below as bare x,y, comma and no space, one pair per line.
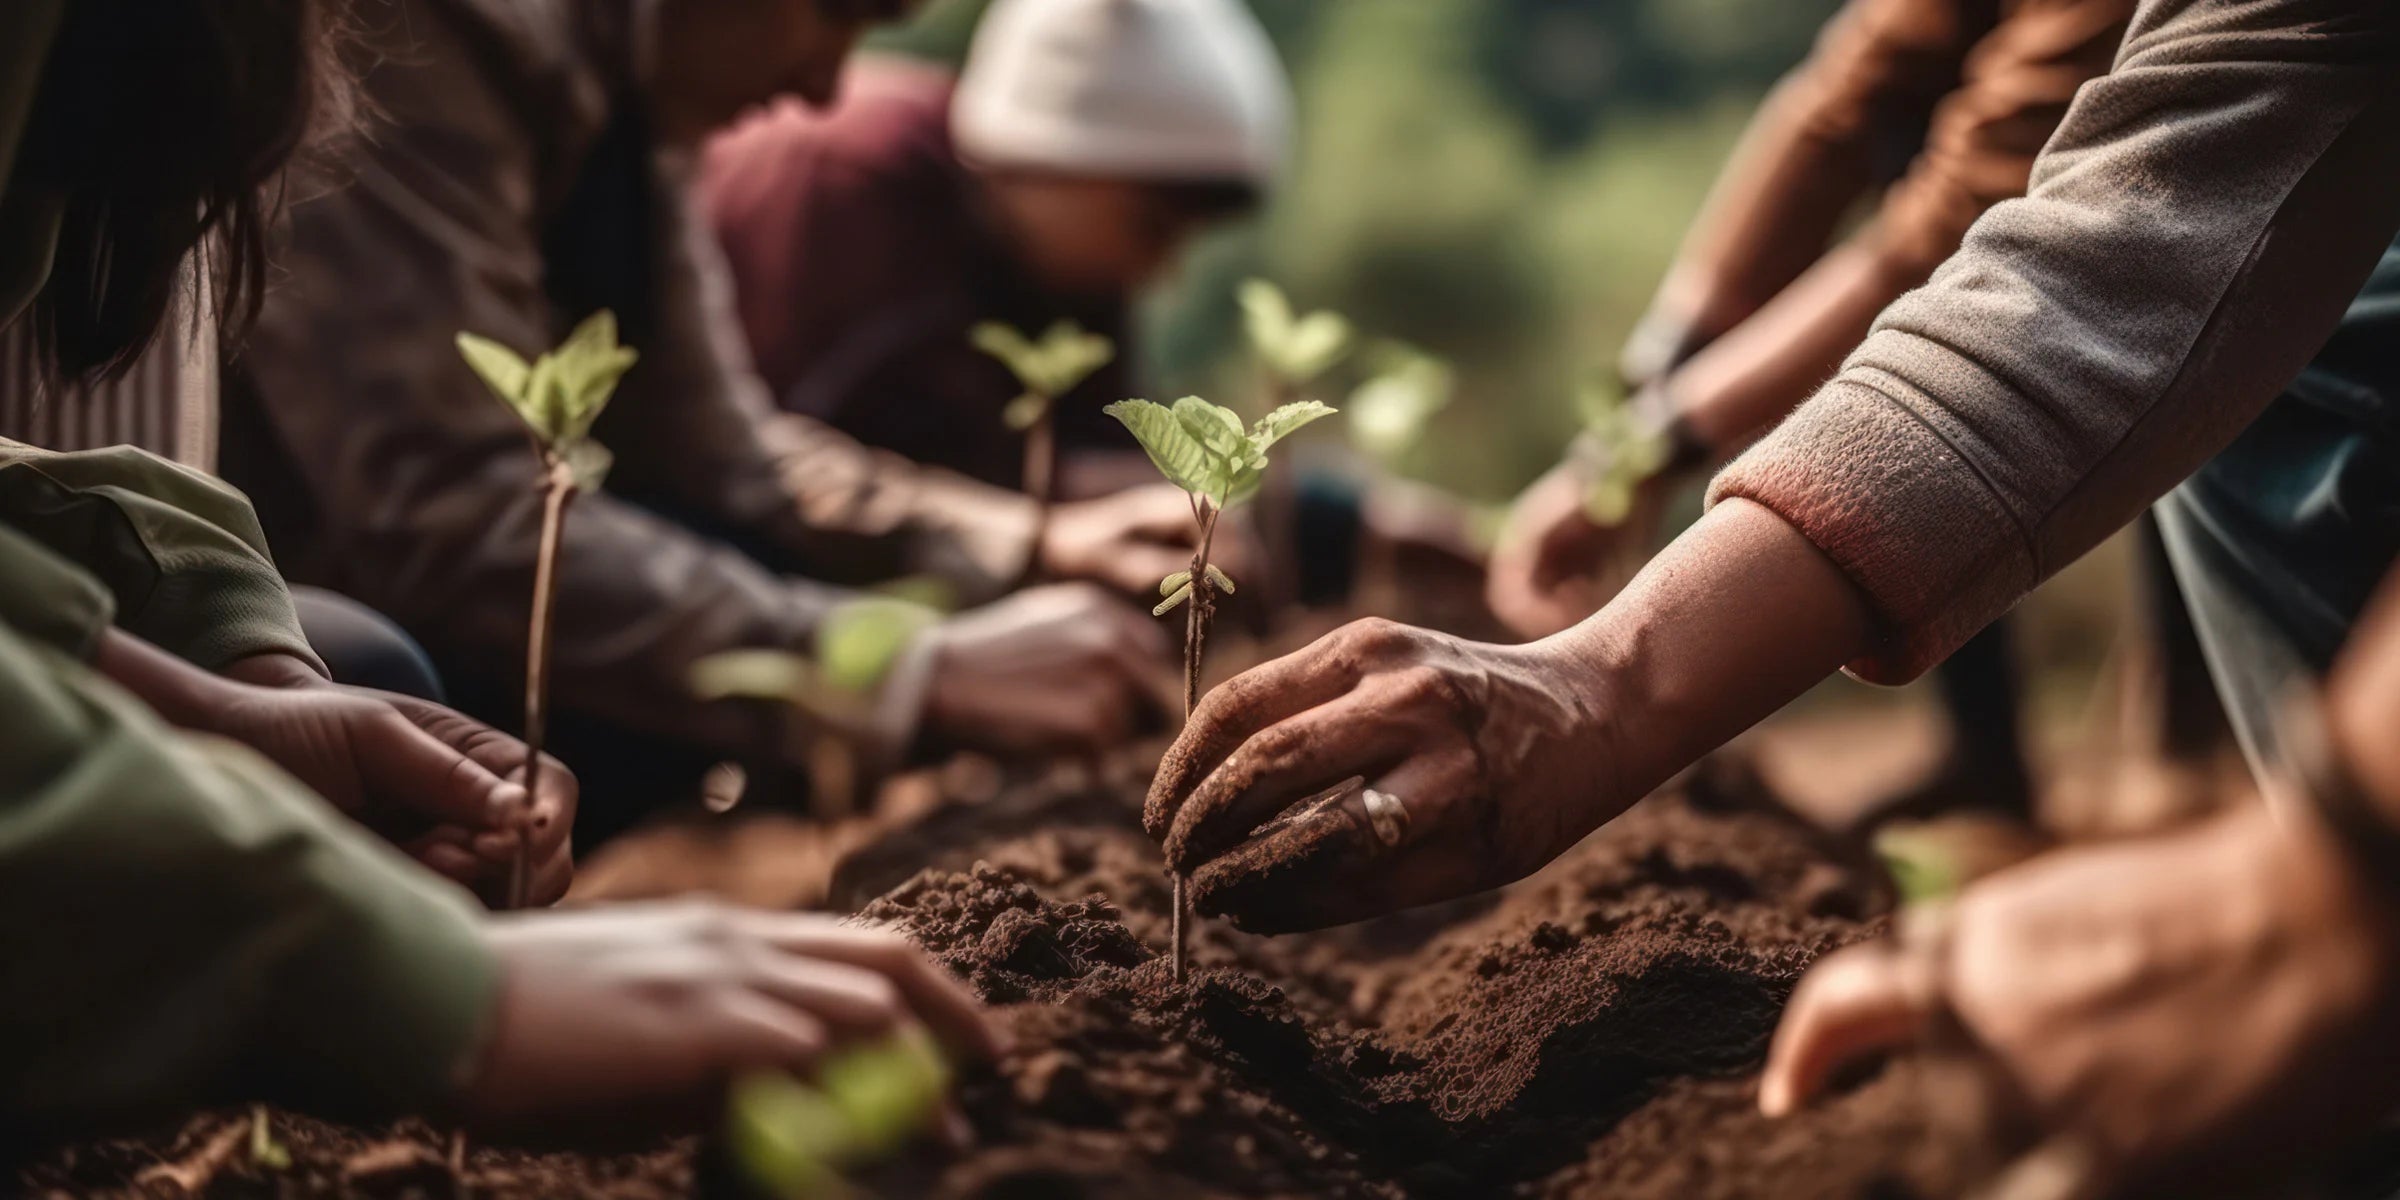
1620,450
794,1139
1204,449
560,393
1390,410
1046,367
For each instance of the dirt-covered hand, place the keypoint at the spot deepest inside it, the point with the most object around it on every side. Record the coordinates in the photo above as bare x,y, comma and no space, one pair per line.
444,787
1061,669
1131,540
1492,758
628,1018
2214,1000
1553,565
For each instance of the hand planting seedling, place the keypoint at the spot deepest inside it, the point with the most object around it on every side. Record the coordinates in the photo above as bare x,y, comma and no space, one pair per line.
1204,450
1619,453
558,396
1046,369
856,647
793,1140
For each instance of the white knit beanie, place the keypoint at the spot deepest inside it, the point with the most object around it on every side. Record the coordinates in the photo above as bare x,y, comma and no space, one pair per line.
1141,89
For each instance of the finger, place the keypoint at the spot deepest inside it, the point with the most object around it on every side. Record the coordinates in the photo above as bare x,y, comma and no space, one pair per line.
1286,762
942,1003
853,1002
1239,708
448,859
749,1031
551,880
1325,862
1141,664
2066,1167
432,779
1855,1002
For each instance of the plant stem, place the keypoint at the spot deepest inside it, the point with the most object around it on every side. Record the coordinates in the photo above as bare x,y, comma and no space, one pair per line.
1041,472
558,487
1195,640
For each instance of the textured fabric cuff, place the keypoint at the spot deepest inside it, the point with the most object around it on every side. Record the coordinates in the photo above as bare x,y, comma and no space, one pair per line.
1896,506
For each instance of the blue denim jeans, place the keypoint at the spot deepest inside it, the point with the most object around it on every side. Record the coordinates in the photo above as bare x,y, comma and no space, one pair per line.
2280,540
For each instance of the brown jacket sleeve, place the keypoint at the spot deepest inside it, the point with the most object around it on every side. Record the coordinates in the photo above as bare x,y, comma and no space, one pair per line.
425,485
1810,153
2193,233
2013,89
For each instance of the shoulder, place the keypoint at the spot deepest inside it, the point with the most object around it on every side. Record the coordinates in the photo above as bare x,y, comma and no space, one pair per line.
892,123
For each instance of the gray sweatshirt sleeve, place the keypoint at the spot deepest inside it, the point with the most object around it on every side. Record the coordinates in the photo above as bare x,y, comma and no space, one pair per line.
2192,234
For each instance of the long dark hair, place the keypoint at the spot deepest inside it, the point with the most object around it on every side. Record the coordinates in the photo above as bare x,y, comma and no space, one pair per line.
166,128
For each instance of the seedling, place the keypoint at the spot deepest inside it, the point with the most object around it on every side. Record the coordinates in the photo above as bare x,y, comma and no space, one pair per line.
1391,409
1046,369
855,649
1204,450
794,1140
1389,413
1293,350
558,396
1619,453
266,1153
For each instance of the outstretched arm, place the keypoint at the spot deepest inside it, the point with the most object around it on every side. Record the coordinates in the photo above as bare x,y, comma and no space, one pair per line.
2198,226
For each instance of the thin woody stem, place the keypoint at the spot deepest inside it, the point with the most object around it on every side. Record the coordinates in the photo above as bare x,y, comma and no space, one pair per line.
1041,476
558,487
1195,641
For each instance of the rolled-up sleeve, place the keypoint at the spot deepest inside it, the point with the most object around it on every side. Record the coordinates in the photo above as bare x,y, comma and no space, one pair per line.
2192,234
187,925
181,554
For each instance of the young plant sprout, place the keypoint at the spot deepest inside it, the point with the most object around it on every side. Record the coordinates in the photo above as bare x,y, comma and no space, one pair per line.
1046,369
793,1140
1204,450
558,396
856,647
1618,451
1390,410
1292,350
1389,413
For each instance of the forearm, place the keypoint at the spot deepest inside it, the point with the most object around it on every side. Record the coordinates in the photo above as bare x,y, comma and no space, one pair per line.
1754,376
1681,660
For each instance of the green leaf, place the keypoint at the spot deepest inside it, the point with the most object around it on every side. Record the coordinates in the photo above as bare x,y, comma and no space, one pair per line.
1266,316
503,370
1317,342
1924,870
266,1153
1389,412
752,675
786,1136
1025,411
1167,586
1285,421
588,461
886,1093
927,591
1178,596
1183,458
590,365
858,642
1051,367
1609,500
1003,342
1219,580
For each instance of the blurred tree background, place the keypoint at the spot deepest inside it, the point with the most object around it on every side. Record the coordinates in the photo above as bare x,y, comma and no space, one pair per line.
1501,182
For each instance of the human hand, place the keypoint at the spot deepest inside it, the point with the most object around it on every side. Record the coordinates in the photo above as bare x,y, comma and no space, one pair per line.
683,999
1553,565
1132,539
1480,762
444,787
1065,668
2166,1010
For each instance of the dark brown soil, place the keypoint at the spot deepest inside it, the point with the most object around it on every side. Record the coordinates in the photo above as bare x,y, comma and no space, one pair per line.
1594,1031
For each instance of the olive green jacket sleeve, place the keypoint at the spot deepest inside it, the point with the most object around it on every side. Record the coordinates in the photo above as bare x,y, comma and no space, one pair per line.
185,924
180,554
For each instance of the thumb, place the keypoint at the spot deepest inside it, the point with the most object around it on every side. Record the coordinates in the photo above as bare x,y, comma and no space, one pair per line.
1856,1002
429,778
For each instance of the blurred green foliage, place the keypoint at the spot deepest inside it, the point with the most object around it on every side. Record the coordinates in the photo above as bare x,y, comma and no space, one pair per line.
1500,182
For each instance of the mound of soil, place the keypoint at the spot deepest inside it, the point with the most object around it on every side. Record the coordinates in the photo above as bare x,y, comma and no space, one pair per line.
1593,1031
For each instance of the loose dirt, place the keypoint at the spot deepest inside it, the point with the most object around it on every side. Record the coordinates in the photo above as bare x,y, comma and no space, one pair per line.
1593,1031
